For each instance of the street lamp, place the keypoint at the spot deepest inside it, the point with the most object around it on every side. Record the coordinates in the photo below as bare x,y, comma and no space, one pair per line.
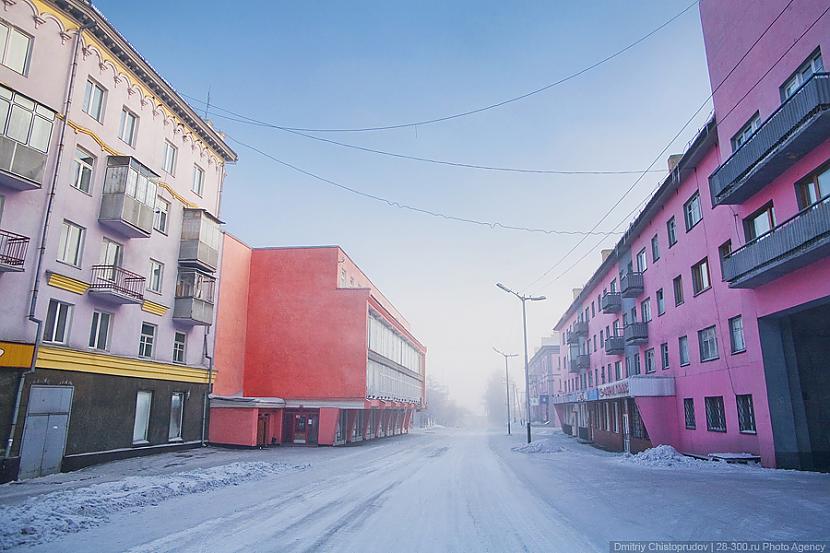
524,299
507,383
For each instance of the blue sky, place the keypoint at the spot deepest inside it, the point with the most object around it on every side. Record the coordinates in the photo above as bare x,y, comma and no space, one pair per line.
356,64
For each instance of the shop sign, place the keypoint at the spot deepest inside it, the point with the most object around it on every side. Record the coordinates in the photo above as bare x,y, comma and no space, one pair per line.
615,389
16,355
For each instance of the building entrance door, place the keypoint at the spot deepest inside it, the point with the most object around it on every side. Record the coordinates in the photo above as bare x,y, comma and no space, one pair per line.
263,429
305,428
626,434
44,432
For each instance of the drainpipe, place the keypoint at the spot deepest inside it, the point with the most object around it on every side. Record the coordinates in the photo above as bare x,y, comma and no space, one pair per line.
209,388
42,247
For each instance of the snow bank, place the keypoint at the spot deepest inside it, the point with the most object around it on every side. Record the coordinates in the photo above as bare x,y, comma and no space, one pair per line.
539,446
47,517
665,456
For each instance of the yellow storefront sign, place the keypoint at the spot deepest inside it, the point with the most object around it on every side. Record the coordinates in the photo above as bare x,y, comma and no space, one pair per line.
16,355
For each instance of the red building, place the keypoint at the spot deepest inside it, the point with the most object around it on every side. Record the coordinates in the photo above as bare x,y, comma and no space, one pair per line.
308,351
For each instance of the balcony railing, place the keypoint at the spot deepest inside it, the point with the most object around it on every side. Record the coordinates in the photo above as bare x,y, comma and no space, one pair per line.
12,251
611,302
21,167
580,362
631,284
116,284
796,242
614,345
797,126
129,197
199,246
194,298
581,328
571,338
636,333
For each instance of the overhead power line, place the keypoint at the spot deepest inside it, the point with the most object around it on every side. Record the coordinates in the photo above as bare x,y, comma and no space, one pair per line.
392,203
502,102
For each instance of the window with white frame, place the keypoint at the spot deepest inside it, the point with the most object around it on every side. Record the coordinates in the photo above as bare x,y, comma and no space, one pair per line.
161,215
174,431
198,185
683,350
129,126
111,253
179,347
746,131
814,188
146,340
642,262
99,331
650,361
71,244
388,343
169,158
700,276
15,48
746,414
664,355
645,310
82,167
655,248
715,414
58,318
692,211
736,334
24,120
94,99
154,281
671,231
661,302
760,222
811,66
708,342
141,426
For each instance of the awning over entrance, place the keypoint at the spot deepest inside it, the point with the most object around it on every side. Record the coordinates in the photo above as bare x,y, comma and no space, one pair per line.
633,386
240,402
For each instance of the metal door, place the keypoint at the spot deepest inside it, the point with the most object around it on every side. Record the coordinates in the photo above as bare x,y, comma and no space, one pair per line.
44,432
626,434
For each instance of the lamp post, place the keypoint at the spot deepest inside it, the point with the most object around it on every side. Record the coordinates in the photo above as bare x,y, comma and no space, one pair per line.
524,299
507,383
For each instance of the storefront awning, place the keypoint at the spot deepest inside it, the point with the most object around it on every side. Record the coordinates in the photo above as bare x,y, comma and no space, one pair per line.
633,386
240,402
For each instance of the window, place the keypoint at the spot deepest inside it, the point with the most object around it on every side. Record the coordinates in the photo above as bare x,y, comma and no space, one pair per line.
71,244
82,170
708,342
143,401
148,337
58,316
645,310
15,47
671,231
689,410
593,310
636,363
110,254
746,131
2,203
642,263
677,284
25,121
655,249
613,286
736,334
198,180
100,330
179,345
683,350
813,188
746,414
650,366
617,370
700,276
161,214
806,70
715,415
129,126
724,251
691,211
760,222
595,342
664,355
170,155
176,415
661,302
156,274
94,97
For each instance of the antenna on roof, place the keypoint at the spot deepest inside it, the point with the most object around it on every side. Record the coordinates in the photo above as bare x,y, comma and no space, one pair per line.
207,104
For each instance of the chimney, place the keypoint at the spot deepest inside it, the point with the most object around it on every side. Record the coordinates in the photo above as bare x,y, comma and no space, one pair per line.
576,292
606,254
674,159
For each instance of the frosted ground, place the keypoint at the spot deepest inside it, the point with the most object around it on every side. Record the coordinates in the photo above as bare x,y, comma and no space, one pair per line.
440,490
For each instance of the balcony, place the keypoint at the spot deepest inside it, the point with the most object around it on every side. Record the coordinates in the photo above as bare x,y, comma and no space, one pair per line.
194,298
796,242
580,362
631,284
800,124
129,197
581,328
611,302
12,251
21,167
199,246
636,333
614,345
116,284
571,338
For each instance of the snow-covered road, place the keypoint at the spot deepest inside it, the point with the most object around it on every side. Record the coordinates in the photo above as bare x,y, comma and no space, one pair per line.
443,491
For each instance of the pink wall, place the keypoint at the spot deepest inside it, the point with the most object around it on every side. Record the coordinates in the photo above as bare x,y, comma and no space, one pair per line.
233,426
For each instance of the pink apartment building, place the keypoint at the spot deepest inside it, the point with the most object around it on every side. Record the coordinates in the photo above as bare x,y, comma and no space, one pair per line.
706,327
545,370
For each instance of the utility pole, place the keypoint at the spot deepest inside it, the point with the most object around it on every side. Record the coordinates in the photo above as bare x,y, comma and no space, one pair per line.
524,299
507,383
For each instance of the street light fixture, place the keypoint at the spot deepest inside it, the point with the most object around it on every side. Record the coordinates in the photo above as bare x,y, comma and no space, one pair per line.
524,299
507,383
